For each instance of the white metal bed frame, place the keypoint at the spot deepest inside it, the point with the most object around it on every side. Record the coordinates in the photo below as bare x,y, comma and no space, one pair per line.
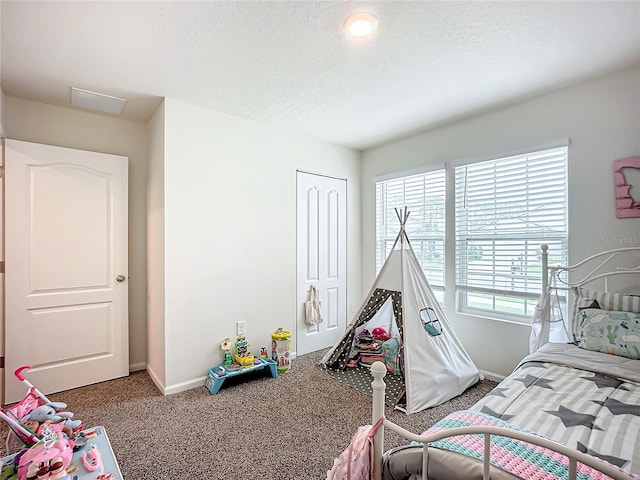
378,370
551,271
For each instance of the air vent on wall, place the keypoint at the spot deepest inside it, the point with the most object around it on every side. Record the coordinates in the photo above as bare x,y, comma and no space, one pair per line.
96,101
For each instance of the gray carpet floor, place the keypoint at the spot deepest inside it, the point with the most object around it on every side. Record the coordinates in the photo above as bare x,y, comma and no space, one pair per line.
284,428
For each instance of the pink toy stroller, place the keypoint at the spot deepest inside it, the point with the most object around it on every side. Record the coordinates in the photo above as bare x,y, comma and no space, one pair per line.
52,414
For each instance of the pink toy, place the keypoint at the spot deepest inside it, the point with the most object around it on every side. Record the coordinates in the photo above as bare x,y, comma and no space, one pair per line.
47,459
380,334
92,460
27,418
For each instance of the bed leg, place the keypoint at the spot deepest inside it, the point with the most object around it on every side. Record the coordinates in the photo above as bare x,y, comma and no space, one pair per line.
425,461
378,370
487,456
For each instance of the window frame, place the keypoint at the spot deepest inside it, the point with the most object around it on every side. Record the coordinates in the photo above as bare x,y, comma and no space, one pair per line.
453,296
530,242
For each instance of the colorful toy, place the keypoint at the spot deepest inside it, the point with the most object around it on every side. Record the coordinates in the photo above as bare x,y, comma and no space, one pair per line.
226,346
53,413
242,354
281,347
47,459
27,418
380,334
92,460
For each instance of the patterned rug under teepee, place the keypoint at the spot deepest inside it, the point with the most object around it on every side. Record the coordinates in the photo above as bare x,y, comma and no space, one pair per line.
360,379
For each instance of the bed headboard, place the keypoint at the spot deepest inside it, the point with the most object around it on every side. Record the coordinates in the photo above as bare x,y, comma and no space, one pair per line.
556,315
600,266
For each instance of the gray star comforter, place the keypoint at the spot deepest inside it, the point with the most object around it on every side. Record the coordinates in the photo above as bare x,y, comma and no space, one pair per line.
582,399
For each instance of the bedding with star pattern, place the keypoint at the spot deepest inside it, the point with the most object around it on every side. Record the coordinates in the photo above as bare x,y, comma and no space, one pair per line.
583,399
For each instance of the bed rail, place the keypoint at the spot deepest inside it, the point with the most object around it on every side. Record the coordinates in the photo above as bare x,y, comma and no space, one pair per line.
605,258
379,370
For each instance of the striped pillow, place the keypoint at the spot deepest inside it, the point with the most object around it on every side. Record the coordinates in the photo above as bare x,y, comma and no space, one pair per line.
583,298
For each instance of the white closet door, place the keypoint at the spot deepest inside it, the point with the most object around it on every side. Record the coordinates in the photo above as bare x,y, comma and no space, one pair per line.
322,258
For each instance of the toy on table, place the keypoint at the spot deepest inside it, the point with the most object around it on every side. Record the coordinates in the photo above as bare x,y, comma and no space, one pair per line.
264,353
51,414
47,459
28,417
92,460
242,354
226,346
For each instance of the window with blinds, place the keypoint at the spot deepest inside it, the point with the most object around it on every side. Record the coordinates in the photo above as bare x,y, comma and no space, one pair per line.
424,197
504,209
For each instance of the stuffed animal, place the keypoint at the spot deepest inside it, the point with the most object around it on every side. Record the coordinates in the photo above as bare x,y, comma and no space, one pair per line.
53,413
380,334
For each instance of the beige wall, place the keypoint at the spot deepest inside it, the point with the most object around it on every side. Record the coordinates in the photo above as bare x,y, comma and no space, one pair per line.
41,123
602,120
230,232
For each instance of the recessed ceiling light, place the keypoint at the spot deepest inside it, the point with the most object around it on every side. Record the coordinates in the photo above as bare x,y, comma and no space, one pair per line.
361,24
96,101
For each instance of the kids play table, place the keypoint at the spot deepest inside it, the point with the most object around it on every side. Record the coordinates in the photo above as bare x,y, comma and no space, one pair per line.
215,381
95,437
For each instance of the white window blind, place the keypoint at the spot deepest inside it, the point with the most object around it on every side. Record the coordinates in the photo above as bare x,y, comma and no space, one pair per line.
504,209
424,197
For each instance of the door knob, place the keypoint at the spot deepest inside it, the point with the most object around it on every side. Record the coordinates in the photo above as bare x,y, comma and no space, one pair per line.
120,278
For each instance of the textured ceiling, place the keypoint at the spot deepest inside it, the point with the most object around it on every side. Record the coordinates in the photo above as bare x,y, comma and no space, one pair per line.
291,64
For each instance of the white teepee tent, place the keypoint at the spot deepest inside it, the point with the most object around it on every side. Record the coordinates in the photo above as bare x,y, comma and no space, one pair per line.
435,366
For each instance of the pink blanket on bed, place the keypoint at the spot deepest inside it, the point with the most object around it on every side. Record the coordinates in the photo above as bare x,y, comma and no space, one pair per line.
520,458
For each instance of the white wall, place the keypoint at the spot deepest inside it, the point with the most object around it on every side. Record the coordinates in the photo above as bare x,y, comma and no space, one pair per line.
41,123
602,120
230,232
155,250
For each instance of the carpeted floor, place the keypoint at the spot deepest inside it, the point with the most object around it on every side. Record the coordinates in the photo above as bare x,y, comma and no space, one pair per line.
284,428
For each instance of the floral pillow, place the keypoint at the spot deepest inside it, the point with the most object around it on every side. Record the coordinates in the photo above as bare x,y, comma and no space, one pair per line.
584,298
610,331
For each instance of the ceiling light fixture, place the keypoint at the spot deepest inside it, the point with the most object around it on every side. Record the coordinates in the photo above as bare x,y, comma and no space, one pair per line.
361,24
96,101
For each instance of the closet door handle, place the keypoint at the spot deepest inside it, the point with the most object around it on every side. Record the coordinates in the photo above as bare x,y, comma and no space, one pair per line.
120,278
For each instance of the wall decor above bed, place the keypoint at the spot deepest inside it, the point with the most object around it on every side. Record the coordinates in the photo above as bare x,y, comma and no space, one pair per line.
627,178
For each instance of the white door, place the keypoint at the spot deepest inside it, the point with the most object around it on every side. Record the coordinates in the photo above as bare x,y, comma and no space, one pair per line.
66,308
322,258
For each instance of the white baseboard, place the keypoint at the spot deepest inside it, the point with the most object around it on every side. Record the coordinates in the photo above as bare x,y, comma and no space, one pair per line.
178,387
186,385
155,379
136,367
182,386
492,376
